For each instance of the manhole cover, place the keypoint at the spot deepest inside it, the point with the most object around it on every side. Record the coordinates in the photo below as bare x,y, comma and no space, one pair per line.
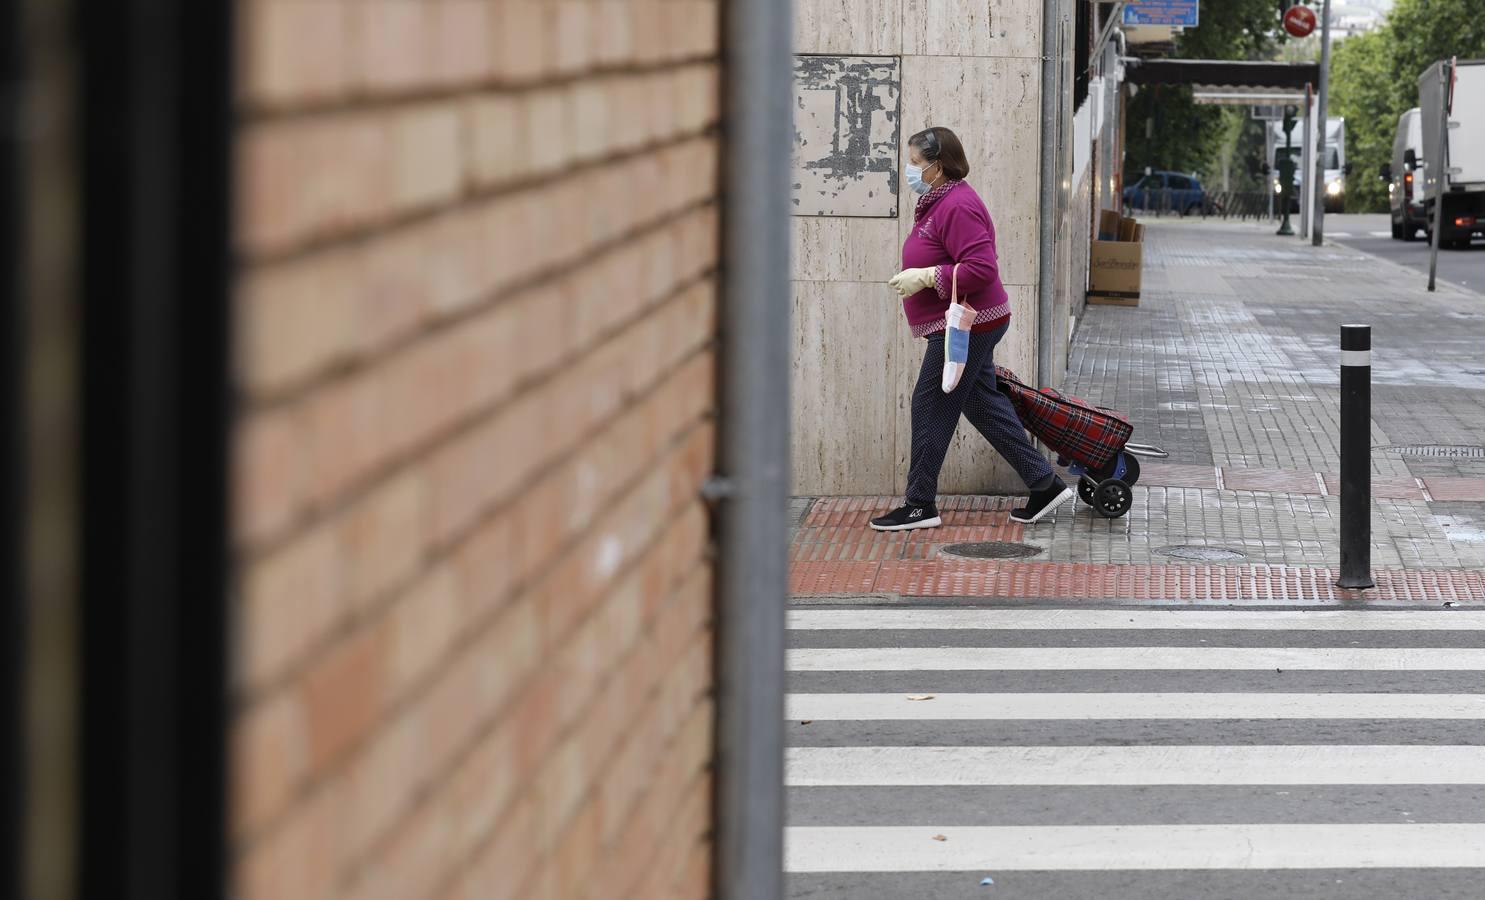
991,550
1202,554
1445,451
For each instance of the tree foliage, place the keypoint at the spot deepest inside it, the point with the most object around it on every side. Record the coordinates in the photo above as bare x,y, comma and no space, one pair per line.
1166,129
1374,80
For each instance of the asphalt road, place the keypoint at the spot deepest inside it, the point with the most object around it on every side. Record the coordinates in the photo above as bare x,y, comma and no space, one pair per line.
1372,234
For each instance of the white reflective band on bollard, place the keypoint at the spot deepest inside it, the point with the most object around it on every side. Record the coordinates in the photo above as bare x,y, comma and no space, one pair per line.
1356,357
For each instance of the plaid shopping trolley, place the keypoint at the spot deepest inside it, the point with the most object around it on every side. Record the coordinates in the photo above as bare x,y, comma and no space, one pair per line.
1092,441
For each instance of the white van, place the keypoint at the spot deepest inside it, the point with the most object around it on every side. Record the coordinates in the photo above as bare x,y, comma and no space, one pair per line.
1403,196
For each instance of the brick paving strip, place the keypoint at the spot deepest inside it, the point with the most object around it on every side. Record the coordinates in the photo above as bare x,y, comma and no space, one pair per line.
1324,484
1263,584
834,552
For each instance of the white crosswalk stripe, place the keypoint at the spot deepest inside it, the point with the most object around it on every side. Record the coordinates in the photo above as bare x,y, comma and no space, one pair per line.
902,784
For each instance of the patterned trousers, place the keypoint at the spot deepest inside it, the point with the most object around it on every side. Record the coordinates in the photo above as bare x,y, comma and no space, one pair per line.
936,415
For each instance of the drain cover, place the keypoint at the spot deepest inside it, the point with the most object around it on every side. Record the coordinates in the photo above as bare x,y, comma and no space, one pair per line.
1446,451
1202,554
991,550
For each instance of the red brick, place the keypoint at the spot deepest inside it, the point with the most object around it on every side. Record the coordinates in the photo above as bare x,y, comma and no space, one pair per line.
463,36
424,626
343,695
525,44
549,112
481,791
294,321
384,778
396,42
271,760
592,104
343,434
303,857
291,599
271,475
382,537
294,52
496,124
302,180
392,290
577,38
412,864
502,867
615,37
428,166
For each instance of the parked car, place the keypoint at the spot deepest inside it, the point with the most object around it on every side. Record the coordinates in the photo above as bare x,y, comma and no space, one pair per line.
1408,214
1166,191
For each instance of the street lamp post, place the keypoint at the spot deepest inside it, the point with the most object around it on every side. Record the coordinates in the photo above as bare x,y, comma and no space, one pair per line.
1317,233
1286,167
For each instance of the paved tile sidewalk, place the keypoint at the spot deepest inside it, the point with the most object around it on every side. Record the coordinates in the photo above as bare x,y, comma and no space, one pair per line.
1230,364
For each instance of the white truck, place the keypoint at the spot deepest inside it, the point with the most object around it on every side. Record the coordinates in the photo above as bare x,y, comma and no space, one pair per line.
1463,208
1335,161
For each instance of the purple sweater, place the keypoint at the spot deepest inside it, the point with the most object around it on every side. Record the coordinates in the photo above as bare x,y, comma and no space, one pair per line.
951,225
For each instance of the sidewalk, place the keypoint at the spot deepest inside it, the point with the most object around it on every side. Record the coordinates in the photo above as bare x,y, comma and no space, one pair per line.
1230,364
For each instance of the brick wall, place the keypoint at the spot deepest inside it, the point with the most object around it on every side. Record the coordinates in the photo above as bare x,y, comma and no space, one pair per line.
472,633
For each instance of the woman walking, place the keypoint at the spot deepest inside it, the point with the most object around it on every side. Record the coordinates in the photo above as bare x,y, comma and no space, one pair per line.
952,231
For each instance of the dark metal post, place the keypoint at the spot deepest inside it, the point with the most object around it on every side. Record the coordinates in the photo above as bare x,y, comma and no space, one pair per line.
1317,220
1441,179
1356,456
753,450
13,594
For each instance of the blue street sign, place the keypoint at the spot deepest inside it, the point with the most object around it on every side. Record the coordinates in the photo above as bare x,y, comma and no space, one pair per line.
1182,13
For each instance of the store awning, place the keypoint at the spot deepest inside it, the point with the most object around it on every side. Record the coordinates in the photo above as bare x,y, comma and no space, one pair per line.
1217,76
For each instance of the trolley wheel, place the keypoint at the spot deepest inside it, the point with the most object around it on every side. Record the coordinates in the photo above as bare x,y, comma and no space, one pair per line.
1086,489
1112,498
1131,469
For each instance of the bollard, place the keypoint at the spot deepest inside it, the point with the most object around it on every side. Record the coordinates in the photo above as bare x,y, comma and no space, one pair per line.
1356,457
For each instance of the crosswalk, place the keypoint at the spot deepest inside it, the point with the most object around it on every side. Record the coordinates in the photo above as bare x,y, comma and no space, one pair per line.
1135,752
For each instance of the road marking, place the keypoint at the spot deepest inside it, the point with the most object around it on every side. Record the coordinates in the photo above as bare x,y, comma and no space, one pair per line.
1091,766
1185,620
1385,234
1165,706
1341,234
1125,847
999,659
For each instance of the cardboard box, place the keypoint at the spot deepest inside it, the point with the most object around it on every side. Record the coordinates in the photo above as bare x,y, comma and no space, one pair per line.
1114,269
1128,228
1108,225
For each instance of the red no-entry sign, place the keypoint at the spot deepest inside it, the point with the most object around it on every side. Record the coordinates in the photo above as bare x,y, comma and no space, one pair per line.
1300,21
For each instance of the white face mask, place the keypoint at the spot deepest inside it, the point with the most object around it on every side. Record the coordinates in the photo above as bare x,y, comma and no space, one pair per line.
914,175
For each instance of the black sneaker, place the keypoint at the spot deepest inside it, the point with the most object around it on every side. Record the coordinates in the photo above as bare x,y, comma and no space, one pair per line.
1043,502
906,518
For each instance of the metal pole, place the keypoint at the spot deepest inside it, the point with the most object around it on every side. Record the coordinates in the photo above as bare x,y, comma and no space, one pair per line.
1307,164
1441,183
1317,233
1356,456
1047,193
14,618
753,450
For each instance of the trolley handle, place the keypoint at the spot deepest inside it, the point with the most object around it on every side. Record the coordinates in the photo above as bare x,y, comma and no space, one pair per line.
1146,450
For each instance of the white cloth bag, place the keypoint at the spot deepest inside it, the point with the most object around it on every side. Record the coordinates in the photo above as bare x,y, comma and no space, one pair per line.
960,319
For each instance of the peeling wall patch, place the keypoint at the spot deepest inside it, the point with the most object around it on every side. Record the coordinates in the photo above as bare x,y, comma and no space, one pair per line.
846,135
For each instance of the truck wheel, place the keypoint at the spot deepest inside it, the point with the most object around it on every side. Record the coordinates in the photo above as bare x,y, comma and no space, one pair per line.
1397,231
1409,232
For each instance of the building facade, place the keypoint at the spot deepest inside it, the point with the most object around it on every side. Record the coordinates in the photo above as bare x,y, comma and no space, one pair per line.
868,76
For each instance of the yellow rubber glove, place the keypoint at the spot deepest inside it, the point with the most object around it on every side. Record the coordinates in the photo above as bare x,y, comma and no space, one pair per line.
910,281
